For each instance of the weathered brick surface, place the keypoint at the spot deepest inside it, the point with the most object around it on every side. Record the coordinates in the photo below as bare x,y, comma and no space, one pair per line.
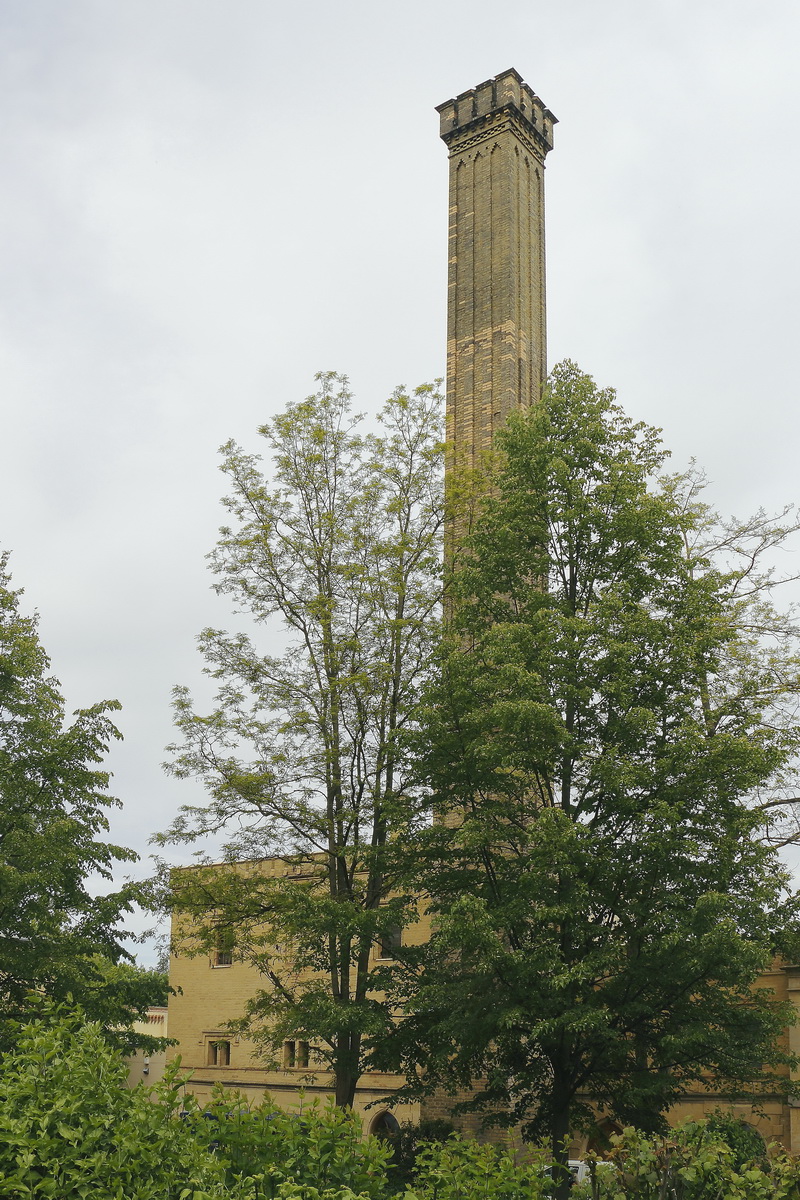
498,135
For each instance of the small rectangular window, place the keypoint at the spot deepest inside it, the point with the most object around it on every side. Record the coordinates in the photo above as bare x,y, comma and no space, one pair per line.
295,1056
391,941
219,1053
222,955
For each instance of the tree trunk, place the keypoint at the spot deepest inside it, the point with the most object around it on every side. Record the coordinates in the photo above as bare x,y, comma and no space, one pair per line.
559,1135
346,1069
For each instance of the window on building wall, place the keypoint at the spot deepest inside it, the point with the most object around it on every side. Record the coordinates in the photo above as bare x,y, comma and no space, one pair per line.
219,1053
222,955
385,1125
295,1055
391,941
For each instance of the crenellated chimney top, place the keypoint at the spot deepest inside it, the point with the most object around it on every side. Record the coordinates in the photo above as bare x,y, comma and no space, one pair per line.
474,111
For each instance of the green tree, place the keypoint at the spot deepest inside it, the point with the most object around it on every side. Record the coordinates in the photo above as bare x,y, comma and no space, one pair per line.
299,754
117,994
57,938
603,720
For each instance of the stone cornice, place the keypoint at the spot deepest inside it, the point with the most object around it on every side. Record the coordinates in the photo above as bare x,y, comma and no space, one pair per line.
485,129
505,102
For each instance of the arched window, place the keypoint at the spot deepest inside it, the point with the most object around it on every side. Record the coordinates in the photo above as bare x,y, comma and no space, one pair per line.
384,1125
600,1141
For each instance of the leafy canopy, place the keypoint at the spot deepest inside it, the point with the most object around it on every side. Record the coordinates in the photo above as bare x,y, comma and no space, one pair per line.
56,937
602,893
338,558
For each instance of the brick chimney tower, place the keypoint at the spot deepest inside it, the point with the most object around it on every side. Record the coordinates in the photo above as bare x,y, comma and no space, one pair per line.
498,135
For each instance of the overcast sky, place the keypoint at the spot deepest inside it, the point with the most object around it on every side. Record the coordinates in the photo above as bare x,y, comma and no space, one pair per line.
207,201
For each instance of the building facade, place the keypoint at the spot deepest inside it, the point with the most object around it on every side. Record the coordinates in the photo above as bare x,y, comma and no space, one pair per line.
212,989
143,1067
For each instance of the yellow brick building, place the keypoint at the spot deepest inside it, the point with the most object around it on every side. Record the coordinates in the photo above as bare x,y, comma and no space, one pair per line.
211,990
214,989
149,1068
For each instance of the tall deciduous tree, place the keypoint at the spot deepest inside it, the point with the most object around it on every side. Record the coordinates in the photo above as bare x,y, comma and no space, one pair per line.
58,938
605,716
299,753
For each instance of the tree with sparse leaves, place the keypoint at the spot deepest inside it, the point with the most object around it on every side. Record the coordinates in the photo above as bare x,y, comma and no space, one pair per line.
57,937
338,557
611,724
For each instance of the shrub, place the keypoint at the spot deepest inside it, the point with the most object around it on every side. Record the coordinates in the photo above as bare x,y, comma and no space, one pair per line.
407,1143
693,1163
318,1148
70,1129
467,1170
297,1191
745,1142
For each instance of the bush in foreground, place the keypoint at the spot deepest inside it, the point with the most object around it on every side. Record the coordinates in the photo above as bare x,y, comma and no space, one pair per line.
71,1130
69,1127
407,1144
696,1162
317,1148
466,1170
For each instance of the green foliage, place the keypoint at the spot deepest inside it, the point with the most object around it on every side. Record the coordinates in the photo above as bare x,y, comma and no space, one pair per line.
407,1143
297,1191
606,722
117,994
317,1147
466,1170
342,548
693,1163
745,1142
70,1129
57,938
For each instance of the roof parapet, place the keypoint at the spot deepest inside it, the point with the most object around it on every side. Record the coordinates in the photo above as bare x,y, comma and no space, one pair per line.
506,92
